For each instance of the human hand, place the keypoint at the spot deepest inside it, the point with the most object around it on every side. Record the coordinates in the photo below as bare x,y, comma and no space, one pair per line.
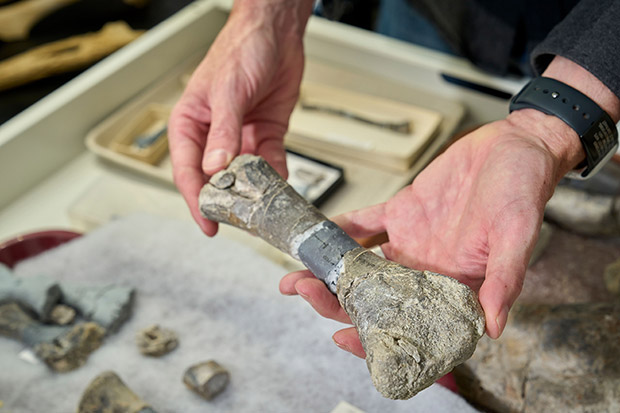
240,97
473,214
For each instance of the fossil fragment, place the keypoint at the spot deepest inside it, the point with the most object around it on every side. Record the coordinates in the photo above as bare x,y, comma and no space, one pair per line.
62,314
62,348
208,379
561,358
612,277
415,326
156,341
584,213
108,394
403,126
38,294
108,306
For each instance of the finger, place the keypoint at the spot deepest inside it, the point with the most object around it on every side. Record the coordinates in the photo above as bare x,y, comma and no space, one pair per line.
185,154
287,283
315,292
449,382
272,150
224,138
349,340
363,223
506,266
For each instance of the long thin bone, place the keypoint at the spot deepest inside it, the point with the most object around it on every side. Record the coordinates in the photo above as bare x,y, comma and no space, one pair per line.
17,19
414,326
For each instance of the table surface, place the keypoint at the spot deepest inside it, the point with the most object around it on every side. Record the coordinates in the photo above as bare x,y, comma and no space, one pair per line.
222,300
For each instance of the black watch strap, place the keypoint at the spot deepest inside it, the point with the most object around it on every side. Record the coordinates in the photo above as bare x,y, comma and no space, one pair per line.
596,130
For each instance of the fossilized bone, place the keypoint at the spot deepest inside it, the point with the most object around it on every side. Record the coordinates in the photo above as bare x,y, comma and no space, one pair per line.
62,348
38,294
62,56
207,379
17,19
550,358
108,394
584,213
415,326
108,305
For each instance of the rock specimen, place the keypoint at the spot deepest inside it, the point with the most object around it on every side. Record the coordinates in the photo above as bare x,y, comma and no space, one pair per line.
38,294
561,358
62,348
156,341
109,306
415,326
62,315
584,213
208,379
612,277
108,394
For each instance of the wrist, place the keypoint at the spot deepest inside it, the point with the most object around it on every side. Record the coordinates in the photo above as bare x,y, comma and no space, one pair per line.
574,75
286,17
553,134
586,134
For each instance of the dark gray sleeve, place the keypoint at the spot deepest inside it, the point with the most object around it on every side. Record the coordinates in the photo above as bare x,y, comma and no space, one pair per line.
590,37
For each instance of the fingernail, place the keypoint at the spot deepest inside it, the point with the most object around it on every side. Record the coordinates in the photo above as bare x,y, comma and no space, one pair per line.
500,321
342,346
216,160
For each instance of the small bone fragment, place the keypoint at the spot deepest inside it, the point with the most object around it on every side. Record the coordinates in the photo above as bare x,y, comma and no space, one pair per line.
38,294
62,348
62,315
108,394
156,341
612,277
109,306
62,56
584,213
415,326
208,379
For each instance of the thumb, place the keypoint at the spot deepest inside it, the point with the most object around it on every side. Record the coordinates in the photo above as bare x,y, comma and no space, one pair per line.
224,137
505,272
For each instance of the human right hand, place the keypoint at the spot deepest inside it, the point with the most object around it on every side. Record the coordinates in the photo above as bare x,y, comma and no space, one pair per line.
240,97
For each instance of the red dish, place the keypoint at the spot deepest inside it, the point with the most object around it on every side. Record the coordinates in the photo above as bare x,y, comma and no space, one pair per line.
29,245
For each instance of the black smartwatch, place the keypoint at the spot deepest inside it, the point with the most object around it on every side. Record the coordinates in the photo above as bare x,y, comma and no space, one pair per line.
596,130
